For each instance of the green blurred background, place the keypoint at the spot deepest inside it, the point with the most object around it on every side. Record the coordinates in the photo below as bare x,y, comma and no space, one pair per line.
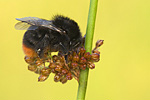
123,72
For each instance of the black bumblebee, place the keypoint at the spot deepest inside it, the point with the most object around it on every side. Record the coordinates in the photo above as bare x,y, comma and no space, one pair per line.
59,34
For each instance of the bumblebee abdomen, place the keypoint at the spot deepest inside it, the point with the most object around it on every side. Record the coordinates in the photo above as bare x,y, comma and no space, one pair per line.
29,51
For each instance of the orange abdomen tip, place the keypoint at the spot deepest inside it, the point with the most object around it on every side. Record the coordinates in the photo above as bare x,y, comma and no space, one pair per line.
28,51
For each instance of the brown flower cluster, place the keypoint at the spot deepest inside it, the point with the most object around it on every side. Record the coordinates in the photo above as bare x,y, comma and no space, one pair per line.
64,68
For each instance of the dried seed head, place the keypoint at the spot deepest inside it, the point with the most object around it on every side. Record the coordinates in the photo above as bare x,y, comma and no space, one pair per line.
63,80
74,76
75,58
82,60
74,65
47,60
64,71
96,51
69,76
62,64
57,61
70,57
39,62
53,71
45,71
82,51
29,60
42,78
38,71
90,65
32,68
83,66
74,53
95,57
87,55
76,73
58,68
61,58
52,65
56,78
60,74
55,57
99,43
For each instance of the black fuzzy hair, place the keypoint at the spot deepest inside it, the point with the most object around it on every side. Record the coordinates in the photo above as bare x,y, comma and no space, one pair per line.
67,24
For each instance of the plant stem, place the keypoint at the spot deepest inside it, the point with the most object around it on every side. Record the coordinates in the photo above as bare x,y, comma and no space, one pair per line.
88,46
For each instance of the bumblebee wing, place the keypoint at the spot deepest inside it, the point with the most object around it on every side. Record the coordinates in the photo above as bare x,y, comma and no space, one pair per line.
28,23
32,23
25,26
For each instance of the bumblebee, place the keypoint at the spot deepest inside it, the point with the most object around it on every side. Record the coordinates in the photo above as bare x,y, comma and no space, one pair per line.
60,34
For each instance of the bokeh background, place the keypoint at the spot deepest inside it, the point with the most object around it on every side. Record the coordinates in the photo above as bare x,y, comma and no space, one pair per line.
123,72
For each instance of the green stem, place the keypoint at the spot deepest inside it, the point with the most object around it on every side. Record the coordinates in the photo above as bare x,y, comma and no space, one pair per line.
88,46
